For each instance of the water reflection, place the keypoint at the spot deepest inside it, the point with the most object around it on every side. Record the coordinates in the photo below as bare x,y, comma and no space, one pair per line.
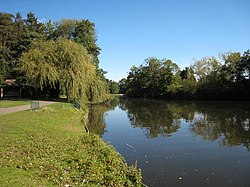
96,122
179,143
157,117
227,122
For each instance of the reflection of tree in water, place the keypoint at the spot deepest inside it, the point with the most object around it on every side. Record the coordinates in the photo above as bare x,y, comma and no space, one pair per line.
156,116
228,121
96,123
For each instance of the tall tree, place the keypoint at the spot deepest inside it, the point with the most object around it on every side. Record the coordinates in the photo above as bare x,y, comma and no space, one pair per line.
2,71
6,29
123,86
66,63
205,66
7,40
157,78
189,83
243,67
66,28
80,31
113,87
85,34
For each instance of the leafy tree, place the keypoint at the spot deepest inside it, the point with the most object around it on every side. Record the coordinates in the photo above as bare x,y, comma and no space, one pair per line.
224,82
2,71
7,36
26,56
243,67
6,29
157,78
189,83
85,34
66,28
229,68
67,64
123,85
205,66
50,30
113,87
33,30
80,31
207,78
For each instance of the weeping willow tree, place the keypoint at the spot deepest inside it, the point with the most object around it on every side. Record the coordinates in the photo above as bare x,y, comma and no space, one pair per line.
67,64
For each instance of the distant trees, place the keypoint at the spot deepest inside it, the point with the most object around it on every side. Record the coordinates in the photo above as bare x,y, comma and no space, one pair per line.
157,78
228,80
113,87
208,78
205,66
122,85
52,58
188,83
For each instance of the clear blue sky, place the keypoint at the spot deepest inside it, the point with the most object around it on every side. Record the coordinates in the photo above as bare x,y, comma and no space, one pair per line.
130,31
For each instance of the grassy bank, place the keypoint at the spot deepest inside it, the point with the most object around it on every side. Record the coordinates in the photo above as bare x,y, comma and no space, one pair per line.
13,103
49,147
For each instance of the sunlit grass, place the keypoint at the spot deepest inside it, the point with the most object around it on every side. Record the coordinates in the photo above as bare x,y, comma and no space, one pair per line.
12,103
49,147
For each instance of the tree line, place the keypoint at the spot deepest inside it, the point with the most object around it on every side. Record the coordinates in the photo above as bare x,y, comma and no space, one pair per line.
53,58
224,77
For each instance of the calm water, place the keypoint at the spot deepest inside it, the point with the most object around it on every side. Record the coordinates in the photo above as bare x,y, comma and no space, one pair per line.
179,143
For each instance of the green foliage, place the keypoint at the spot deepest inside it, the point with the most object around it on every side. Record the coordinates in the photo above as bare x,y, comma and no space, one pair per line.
67,64
205,66
7,33
207,78
38,64
49,147
226,122
65,28
227,81
95,121
2,71
6,29
157,78
86,36
122,85
16,35
188,83
80,31
158,117
113,87
30,53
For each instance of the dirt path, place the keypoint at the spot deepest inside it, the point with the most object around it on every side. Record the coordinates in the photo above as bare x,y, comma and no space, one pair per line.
23,107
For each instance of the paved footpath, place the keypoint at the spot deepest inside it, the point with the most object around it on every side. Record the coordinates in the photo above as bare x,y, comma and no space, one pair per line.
23,107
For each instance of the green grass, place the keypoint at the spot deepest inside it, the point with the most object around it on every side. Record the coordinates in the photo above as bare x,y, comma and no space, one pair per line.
12,103
49,147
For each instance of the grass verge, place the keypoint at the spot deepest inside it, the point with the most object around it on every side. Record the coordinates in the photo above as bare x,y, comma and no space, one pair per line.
49,147
12,103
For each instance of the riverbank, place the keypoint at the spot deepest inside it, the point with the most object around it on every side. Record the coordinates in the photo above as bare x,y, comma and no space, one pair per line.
49,147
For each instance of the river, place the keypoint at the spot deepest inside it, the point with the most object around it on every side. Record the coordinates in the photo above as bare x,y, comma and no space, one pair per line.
179,143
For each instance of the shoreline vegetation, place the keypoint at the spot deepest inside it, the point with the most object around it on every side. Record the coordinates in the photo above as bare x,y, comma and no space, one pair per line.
226,77
49,147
